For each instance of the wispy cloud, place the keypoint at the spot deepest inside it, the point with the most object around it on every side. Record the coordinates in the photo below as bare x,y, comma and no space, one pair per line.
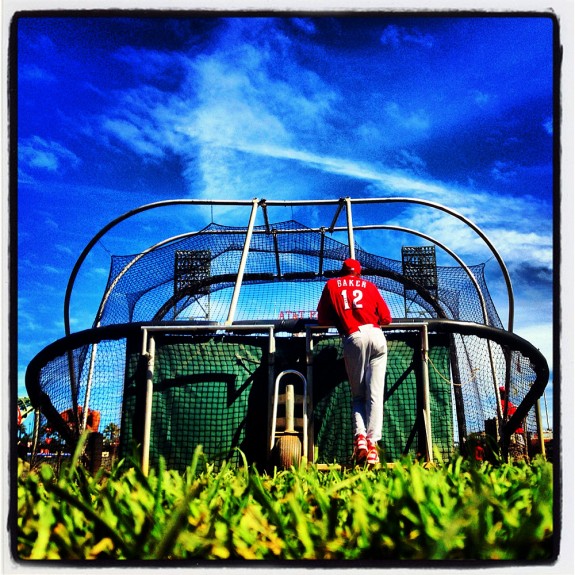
305,24
503,171
238,130
393,182
483,99
395,36
228,135
134,137
64,249
527,246
410,120
39,154
34,73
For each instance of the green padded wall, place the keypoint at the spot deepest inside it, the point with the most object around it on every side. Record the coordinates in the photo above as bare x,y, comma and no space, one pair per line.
402,425
213,391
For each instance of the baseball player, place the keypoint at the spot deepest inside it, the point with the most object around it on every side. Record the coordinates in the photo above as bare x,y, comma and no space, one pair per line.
517,436
355,306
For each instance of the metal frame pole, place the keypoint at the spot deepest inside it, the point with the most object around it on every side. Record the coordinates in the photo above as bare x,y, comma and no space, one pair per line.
350,228
422,327
540,429
271,374
149,351
150,355
425,383
88,388
242,267
309,377
35,437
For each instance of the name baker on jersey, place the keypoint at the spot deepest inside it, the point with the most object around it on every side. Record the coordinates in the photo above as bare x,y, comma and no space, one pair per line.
351,282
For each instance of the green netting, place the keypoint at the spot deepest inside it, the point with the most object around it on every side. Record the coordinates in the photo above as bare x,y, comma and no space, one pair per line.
206,393
402,425
214,392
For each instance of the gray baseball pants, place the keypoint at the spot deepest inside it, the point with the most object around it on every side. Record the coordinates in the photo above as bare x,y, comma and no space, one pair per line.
365,356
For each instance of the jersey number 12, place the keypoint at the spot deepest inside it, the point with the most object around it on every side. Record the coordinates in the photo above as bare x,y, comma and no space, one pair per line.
357,297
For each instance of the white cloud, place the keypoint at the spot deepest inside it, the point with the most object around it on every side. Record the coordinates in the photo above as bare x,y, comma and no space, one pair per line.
35,74
417,120
235,110
410,160
233,98
538,334
305,24
134,137
150,63
516,246
52,270
41,154
50,222
504,171
395,36
64,249
483,99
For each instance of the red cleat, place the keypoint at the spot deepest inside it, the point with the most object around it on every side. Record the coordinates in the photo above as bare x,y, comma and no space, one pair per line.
372,454
360,451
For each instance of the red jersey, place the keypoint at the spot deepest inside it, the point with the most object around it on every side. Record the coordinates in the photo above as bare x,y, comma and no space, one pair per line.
349,302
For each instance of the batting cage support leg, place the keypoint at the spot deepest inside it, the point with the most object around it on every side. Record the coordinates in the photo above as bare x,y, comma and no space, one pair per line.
309,373
425,383
150,355
88,387
245,252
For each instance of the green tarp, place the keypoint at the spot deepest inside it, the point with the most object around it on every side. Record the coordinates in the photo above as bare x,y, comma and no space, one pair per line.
213,391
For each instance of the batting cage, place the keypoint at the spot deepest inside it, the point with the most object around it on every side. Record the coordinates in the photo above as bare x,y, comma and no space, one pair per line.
211,338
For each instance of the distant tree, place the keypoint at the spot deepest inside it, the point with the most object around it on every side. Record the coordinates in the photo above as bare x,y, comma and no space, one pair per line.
25,408
112,438
112,433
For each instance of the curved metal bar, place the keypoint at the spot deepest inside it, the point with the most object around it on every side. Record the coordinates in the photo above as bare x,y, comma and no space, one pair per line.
319,230
119,331
473,227
479,293
86,251
304,406
133,261
443,247
424,203
269,203
41,401
114,223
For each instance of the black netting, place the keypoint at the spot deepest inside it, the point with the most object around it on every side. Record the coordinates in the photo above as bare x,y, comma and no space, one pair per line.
213,389
144,287
207,391
402,427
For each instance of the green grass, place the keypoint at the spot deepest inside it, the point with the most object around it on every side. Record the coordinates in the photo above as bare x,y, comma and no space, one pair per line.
456,510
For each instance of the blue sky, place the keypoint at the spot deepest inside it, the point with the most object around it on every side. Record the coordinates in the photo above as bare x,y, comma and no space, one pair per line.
115,112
